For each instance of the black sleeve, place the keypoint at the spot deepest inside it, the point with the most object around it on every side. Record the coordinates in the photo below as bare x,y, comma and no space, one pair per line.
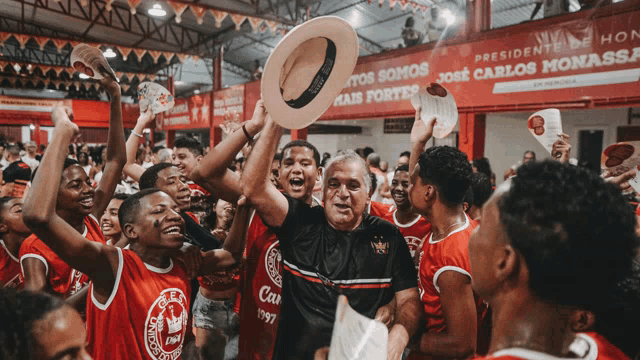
404,271
197,235
8,175
297,213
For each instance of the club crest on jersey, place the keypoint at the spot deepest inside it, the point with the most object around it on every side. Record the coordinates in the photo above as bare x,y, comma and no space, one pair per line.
273,263
380,247
15,282
166,325
413,243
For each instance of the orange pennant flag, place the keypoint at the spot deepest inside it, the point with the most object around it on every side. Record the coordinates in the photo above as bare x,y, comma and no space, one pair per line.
152,77
108,5
199,12
403,4
238,19
140,53
178,8
119,74
124,51
125,87
22,39
155,55
255,23
42,41
219,16
272,25
195,58
182,57
132,5
131,76
59,43
45,69
4,36
168,56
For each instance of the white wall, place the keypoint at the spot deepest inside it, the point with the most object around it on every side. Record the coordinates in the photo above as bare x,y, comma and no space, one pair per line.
507,136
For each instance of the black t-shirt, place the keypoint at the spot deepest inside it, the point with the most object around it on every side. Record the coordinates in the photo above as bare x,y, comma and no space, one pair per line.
18,173
368,265
197,235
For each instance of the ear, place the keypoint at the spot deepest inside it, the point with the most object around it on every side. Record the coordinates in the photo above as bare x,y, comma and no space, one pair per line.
320,172
3,228
130,231
430,193
198,158
507,263
582,320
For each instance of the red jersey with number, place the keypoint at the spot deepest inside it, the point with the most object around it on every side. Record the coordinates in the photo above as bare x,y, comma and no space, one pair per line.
146,315
414,232
63,279
448,254
379,209
586,346
10,272
261,293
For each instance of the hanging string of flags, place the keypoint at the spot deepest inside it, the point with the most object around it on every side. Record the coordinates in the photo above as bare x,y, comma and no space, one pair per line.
19,81
60,44
415,6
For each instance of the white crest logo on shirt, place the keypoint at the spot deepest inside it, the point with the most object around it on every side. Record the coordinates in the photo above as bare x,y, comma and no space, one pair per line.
273,263
413,243
166,325
76,283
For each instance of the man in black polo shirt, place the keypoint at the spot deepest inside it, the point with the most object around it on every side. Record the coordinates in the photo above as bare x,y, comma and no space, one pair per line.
330,251
16,176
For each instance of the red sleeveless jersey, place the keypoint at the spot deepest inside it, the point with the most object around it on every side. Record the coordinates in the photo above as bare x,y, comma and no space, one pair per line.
587,346
63,280
10,272
261,293
414,232
146,315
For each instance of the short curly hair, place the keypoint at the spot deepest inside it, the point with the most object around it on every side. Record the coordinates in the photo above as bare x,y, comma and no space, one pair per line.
448,169
481,187
575,232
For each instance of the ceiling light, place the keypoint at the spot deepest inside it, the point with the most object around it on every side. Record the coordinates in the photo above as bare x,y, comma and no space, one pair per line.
109,53
448,16
84,76
32,127
157,10
196,91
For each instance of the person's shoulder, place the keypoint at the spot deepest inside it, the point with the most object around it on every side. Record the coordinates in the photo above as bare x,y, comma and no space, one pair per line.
599,345
380,225
32,243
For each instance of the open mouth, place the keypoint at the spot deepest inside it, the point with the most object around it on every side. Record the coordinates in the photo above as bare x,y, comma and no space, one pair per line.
399,197
296,183
87,202
107,227
342,207
173,230
184,198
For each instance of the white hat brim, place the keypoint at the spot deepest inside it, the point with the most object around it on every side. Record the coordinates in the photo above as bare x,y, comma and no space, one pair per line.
346,42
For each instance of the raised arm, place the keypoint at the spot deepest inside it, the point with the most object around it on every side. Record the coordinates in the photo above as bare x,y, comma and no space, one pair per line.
407,317
91,258
233,247
131,168
269,203
116,151
212,171
420,134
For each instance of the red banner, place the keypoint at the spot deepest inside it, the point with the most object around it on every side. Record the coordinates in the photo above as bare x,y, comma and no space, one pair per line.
190,113
229,100
576,61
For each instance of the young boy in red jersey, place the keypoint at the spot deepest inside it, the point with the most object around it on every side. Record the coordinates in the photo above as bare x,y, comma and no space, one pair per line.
138,293
539,263
13,231
78,205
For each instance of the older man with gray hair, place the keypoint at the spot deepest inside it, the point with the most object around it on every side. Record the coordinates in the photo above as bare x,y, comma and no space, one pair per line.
331,250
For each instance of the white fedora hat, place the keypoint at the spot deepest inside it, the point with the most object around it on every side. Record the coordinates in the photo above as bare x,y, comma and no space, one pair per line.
307,70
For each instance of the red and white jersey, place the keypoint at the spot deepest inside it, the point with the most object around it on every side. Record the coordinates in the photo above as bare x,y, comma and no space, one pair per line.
261,293
63,279
146,315
448,254
414,232
378,209
587,346
10,272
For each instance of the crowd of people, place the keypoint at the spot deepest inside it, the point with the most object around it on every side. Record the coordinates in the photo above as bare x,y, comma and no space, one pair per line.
241,252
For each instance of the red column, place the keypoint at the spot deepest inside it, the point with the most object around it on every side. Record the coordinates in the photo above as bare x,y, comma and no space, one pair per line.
36,135
300,134
472,135
152,134
215,136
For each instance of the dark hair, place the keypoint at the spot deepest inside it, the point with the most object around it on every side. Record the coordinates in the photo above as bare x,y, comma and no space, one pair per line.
468,197
18,313
530,152
402,168
405,153
303,143
277,157
149,177
483,166
131,207
409,22
72,149
67,162
366,151
189,143
157,148
448,169
3,202
14,150
140,152
120,196
563,220
374,182
481,187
